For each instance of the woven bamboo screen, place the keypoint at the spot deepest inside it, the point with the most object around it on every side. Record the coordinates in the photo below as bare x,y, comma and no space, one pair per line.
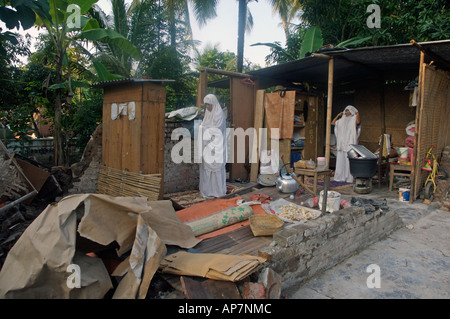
432,120
116,182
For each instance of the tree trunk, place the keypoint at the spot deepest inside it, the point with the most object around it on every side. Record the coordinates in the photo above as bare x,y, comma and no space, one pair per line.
241,34
172,26
57,143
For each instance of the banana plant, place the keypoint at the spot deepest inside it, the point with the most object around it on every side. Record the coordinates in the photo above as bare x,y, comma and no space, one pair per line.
67,24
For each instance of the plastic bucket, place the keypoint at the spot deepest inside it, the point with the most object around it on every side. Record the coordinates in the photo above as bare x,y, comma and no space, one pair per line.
403,152
403,194
322,163
333,201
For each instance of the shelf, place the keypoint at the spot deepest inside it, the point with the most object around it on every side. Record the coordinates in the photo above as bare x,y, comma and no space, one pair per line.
299,125
297,147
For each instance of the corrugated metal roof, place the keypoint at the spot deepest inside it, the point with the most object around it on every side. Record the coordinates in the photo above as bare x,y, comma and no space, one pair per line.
350,65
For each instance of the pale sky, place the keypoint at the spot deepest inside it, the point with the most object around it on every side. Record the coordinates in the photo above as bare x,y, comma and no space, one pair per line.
222,30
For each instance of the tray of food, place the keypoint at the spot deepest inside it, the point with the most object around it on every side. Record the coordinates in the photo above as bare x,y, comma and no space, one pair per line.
292,213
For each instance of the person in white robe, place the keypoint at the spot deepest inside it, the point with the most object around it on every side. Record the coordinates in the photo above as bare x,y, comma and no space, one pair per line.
346,129
212,130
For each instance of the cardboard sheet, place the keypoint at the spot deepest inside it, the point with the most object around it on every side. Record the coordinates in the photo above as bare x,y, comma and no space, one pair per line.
214,266
36,267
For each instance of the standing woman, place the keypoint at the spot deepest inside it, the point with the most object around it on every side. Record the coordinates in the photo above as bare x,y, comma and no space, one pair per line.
213,134
346,131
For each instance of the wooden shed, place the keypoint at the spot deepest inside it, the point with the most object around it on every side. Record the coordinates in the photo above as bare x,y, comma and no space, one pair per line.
133,125
374,80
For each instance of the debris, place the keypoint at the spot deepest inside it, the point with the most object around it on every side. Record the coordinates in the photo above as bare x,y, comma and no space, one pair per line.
272,283
254,290
63,235
410,226
369,205
214,266
209,289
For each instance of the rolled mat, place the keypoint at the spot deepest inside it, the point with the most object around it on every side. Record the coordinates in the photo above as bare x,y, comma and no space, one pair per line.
220,219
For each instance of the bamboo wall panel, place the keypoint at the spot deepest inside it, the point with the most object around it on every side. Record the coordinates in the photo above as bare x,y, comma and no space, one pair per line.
397,114
432,120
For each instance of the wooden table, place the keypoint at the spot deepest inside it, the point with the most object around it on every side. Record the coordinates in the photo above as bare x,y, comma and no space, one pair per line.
396,169
302,172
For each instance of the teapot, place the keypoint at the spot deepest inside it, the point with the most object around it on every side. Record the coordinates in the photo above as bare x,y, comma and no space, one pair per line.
286,183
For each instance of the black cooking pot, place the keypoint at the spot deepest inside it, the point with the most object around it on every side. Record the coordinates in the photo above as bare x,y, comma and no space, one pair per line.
363,167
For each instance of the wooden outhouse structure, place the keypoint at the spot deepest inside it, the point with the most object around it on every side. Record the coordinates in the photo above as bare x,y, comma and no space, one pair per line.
133,125
375,81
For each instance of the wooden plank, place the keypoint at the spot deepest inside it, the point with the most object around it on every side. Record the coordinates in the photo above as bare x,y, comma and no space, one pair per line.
258,124
209,289
242,115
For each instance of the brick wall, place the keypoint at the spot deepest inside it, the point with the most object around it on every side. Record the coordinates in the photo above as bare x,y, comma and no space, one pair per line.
178,177
300,252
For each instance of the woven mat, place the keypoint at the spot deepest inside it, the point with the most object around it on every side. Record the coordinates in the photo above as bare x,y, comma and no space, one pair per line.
333,184
192,197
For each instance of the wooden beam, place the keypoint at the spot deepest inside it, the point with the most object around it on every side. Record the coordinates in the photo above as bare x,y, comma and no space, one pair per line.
329,108
226,73
430,54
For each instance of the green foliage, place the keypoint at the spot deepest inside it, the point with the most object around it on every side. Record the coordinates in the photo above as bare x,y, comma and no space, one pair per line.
83,117
344,23
312,41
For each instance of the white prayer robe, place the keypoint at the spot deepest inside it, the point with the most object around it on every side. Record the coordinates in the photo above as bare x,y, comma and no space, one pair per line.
346,133
212,182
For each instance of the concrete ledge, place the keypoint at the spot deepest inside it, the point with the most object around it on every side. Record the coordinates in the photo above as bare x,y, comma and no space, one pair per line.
305,250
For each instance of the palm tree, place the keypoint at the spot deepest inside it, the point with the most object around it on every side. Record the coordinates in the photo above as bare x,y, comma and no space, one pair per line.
286,10
178,11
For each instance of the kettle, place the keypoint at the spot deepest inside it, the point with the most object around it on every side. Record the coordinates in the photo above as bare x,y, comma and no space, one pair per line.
286,183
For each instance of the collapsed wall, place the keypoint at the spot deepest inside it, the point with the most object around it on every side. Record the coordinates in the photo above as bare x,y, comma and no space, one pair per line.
306,250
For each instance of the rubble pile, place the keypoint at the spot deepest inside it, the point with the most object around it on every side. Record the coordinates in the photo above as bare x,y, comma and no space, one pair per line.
124,248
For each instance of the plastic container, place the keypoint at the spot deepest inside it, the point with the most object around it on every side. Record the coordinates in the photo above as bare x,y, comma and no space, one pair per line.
322,163
345,204
333,201
310,164
403,194
311,202
403,152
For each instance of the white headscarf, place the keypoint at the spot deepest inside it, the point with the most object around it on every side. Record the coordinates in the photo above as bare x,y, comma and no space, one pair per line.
215,120
215,117
345,130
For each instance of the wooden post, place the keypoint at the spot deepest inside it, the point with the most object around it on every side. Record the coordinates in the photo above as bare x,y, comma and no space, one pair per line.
415,166
202,87
329,108
258,123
